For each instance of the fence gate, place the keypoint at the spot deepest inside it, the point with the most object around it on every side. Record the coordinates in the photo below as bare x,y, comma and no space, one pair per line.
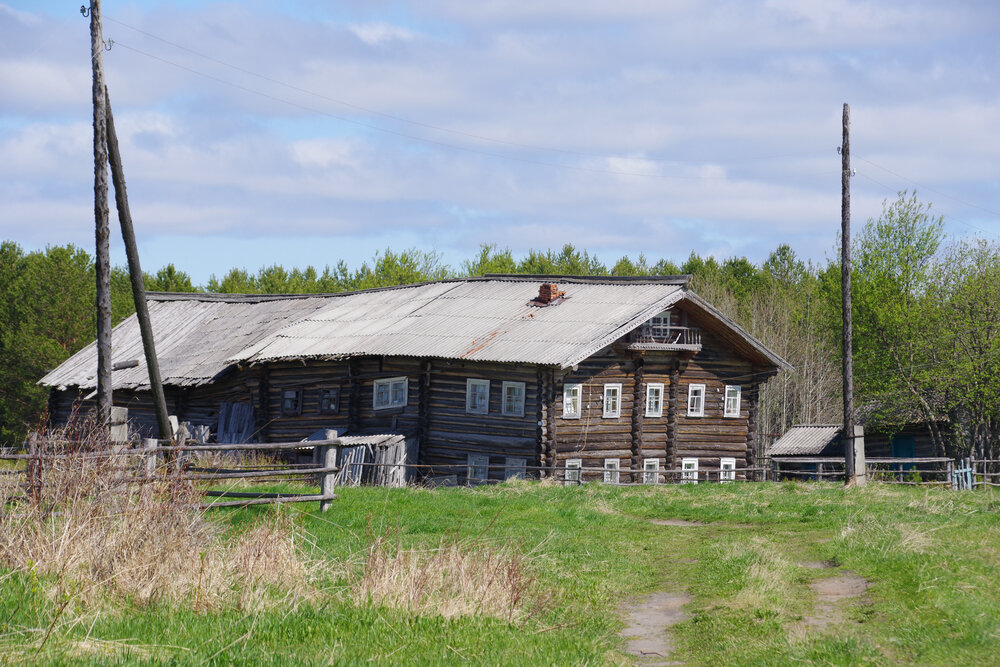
962,478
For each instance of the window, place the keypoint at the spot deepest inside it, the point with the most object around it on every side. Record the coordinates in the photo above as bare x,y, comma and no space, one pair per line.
572,401
513,399
732,407
573,470
514,467
479,468
727,469
696,400
611,471
689,471
390,393
659,326
654,399
612,400
291,402
329,401
477,396
650,471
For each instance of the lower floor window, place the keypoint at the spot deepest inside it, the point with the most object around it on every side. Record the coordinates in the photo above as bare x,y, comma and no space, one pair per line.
573,470
689,471
651,471
479,467
727,469
611,471
514,467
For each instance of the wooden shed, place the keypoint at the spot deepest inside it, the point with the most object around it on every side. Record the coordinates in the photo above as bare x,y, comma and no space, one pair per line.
491,376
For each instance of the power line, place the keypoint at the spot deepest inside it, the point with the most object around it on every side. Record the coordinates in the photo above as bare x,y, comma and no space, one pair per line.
924,187
431,126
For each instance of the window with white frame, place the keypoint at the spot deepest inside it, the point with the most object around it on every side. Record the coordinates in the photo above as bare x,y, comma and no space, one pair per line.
477,396
696,400
572,401
479,467
390,393
612,400
650,471
611,471
513,399
689,471
654,399
732,407
514,467
573,470
727,469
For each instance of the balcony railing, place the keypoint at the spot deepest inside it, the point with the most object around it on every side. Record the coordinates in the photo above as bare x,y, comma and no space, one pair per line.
665,338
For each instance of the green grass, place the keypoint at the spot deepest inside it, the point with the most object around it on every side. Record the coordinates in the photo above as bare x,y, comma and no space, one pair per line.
929,555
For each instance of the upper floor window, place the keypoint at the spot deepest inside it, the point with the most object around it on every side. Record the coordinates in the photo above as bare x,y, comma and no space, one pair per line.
696,400
477,396
612,400
513,399
390,393
732,407
654,399
329,400
291,402
572,401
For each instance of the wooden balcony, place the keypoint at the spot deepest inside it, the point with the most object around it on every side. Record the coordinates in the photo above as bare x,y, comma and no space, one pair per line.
649,337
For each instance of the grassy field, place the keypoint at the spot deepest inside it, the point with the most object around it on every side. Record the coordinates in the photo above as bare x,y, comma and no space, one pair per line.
570,559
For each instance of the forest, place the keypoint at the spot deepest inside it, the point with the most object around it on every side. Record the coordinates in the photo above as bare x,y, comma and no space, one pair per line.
926,318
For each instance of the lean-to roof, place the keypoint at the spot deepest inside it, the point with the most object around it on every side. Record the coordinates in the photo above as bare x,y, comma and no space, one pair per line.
478,319
808,440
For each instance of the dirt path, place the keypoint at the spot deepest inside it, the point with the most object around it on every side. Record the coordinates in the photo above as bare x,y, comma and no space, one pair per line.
648,621
830,591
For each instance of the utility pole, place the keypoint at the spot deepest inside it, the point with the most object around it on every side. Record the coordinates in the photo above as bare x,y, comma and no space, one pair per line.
135,273
102,259
850,472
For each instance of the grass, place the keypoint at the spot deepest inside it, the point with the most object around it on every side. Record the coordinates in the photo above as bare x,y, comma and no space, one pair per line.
573,556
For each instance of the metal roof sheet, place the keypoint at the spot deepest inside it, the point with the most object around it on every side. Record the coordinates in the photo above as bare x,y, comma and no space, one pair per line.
198,336
808,440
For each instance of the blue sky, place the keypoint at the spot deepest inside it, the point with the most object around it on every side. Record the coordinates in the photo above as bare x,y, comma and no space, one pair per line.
307,132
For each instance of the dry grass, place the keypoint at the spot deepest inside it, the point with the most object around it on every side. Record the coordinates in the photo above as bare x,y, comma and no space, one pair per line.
451,580
95,530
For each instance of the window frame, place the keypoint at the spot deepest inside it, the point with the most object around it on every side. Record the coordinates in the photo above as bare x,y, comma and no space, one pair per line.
660,388
653,478
296,409
726,412
510,384
389,382
576,465
616,388
689,475
515,467
475,462
577,388
700,412
727,474
470,386
323,393
612,472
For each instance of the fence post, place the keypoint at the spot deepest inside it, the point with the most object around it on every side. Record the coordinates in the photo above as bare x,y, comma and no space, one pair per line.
149,445
34,470
949,474
329,458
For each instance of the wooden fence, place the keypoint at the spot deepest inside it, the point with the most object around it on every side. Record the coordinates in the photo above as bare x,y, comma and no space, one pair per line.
155,462
964,473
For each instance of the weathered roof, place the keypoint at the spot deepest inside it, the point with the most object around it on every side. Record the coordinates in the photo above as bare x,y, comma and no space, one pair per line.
808,440
199,336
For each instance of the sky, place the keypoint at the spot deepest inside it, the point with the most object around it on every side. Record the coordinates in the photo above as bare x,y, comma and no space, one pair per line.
304,132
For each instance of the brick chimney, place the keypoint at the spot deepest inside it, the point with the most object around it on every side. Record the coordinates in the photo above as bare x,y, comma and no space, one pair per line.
548,293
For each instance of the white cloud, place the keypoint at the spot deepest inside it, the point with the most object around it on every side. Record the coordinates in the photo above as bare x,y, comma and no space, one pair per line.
379,32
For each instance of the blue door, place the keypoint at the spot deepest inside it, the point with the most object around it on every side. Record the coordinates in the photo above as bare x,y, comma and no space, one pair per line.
902,447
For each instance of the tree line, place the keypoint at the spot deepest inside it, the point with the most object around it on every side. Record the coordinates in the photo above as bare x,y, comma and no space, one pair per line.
927,318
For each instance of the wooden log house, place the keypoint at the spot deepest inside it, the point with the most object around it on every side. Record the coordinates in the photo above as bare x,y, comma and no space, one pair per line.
489,376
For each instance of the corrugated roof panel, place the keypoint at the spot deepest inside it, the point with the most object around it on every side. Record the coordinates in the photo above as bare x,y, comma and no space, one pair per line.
807,440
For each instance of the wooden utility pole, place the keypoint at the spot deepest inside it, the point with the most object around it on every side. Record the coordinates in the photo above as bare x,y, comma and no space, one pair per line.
845,273
135,273
102,259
